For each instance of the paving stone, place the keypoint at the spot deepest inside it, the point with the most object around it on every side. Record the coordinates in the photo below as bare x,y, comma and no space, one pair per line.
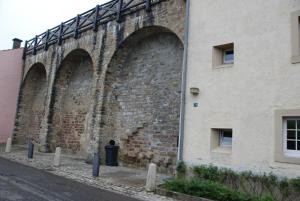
124,180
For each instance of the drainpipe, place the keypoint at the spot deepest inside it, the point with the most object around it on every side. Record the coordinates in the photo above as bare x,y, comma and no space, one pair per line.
183,83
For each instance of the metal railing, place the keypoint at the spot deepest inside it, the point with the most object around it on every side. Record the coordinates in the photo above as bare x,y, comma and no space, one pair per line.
91,19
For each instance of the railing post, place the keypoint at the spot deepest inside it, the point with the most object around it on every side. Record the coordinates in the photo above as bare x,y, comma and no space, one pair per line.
47,40
35,44
95,27
76,27
25,50
119,12
60,33
148,5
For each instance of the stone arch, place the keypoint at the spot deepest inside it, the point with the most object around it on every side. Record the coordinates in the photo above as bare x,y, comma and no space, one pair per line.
29,65
31,104
70,102
141,106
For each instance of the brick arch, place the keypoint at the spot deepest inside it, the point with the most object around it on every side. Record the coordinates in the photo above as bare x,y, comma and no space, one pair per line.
141,104
32,64
70,102
148,30
77,46
31,104
76,54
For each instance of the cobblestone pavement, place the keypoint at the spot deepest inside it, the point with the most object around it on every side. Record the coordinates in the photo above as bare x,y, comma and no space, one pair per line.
32,184
123,180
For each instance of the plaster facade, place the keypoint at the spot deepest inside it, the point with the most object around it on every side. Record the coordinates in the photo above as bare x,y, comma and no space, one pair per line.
121,82
245,95
10,78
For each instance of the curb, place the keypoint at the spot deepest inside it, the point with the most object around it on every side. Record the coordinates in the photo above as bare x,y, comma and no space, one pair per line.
178,196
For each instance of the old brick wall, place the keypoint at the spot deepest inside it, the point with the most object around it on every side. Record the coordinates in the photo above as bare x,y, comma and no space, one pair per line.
71,101
31,105
147,109
142,98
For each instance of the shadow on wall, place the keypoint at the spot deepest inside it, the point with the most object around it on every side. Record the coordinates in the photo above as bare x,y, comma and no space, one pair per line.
71,101
31,106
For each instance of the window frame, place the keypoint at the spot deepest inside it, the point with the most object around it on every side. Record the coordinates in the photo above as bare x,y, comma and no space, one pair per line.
279,145
221,139
225,62
218,59
289,152
295,36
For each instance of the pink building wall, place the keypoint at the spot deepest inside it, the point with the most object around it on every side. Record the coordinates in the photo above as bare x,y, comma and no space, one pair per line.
10,77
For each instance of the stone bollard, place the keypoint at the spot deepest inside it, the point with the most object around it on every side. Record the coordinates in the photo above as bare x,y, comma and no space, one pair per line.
56,161
151,178
8,146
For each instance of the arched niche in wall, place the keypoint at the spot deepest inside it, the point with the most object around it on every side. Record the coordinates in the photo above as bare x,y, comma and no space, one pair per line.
71,101
31,104
141,106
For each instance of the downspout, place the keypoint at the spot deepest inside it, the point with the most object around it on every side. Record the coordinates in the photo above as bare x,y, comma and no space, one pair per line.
183,82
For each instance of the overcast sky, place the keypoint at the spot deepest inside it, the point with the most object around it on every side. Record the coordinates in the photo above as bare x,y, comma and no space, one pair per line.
26,18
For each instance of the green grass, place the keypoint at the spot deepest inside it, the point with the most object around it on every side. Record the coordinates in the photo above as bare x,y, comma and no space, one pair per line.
210,190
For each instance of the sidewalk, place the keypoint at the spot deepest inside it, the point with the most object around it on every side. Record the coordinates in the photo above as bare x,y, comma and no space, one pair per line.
122,180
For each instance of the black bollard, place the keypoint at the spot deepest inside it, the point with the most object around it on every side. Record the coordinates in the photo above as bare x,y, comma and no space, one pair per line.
96,165
30,149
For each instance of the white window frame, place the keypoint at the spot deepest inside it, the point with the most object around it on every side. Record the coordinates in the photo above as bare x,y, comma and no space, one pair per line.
221,143
287,152
224,56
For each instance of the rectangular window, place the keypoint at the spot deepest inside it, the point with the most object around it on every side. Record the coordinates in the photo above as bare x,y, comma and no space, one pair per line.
228,56
291,129
295,24
287,126
223,55
226,138
221,140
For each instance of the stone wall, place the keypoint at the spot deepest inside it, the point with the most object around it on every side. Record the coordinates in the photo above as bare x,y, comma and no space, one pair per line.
31,105
71,101
142,98
147,46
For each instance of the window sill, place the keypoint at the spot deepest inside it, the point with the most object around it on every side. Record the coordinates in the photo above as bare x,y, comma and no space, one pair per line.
286,158
223,66
295,59
292,155
222,150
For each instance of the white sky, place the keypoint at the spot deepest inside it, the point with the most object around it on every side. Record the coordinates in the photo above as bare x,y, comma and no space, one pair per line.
26,18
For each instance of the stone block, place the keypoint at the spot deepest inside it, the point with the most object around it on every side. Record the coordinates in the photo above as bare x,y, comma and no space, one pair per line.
57,156
151,178
8,145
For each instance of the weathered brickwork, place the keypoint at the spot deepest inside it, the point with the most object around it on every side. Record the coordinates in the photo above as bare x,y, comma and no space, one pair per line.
31,107
142,98
71,101
121,82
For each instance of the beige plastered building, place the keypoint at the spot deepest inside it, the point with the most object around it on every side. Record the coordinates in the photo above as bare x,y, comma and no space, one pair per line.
254,96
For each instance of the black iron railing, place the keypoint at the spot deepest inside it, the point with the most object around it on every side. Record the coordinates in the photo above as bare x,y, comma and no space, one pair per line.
91,19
